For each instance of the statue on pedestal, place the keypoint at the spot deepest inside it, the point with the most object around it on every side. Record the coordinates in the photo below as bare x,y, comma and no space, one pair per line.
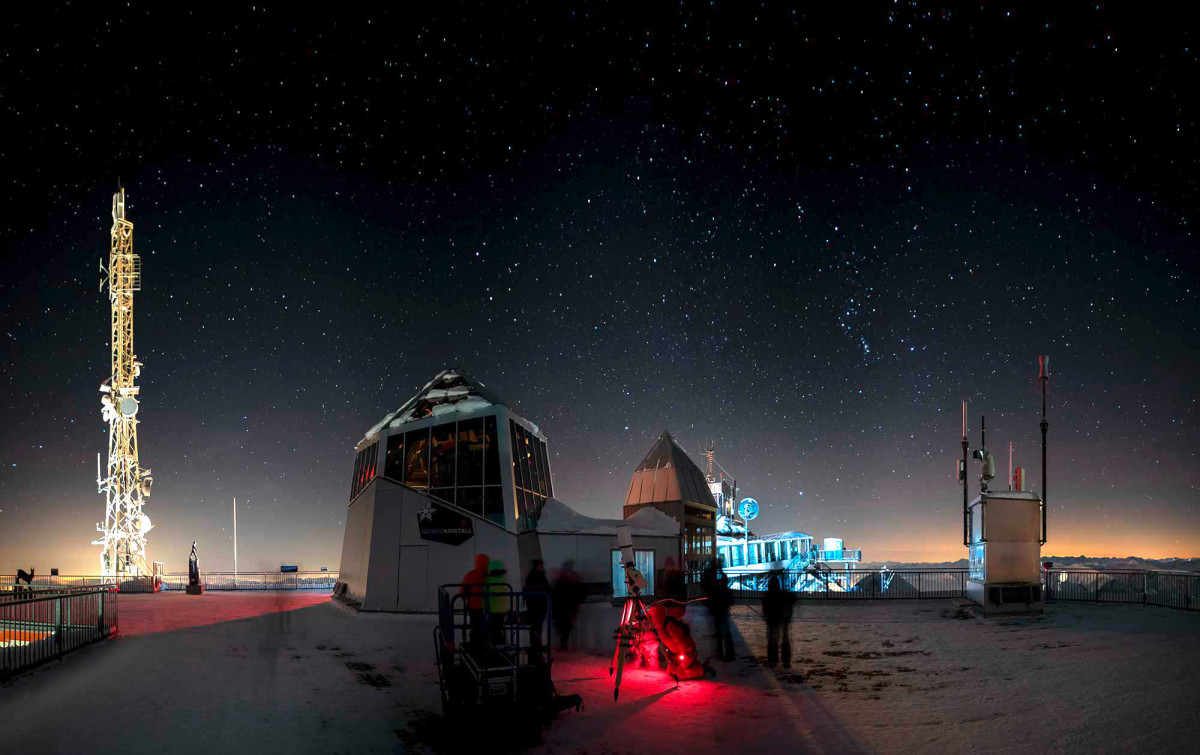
194,587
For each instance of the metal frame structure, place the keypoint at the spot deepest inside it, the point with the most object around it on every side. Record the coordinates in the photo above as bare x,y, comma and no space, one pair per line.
125,484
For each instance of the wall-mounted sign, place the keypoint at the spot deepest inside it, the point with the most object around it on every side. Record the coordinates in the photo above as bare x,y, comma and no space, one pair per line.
444,525
748,509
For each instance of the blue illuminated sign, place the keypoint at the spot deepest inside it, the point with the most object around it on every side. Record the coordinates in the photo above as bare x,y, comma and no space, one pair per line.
748,508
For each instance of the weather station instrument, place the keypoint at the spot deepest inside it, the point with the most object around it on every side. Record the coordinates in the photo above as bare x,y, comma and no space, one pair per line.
124,484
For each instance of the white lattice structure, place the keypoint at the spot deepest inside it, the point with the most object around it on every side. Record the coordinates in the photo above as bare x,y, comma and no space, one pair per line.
125,484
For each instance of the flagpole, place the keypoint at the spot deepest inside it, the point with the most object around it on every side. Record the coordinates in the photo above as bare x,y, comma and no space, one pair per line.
235,543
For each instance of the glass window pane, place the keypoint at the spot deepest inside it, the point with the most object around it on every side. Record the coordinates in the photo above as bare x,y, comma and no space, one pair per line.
470,452
535,472
516,452
493,504
618,575
393,466
527,508
416,455
645,564
491,452
441,460
522,460
539,461
546,462
443,494
470,499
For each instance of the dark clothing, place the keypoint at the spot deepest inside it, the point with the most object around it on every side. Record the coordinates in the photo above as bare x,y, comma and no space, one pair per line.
779,638
568,595
674,584
777,607
720,600
536,604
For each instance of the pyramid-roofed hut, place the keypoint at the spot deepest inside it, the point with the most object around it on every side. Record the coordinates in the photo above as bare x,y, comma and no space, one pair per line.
668,480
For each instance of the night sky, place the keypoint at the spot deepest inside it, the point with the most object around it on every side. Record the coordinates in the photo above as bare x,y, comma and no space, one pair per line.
807,237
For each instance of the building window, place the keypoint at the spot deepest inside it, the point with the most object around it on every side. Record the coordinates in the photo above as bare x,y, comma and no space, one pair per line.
441,461
470,499
364,469
457,462
470,452
643,560
491,452
416,447
493,504
529,485
393,467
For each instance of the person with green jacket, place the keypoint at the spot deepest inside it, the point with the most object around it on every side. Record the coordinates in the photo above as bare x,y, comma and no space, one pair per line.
499,604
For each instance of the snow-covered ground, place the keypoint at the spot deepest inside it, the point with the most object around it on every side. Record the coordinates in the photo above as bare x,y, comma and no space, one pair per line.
290,672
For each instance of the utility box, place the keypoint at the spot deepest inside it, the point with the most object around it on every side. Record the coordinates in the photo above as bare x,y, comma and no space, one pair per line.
1004,553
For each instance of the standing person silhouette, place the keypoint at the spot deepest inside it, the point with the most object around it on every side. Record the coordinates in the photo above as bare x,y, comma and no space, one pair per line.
777,612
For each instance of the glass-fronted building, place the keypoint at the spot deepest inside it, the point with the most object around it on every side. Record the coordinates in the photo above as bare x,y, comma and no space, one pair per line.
449,441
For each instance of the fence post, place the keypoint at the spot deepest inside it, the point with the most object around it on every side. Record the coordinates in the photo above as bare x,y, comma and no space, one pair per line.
919,585
58,626
1145,577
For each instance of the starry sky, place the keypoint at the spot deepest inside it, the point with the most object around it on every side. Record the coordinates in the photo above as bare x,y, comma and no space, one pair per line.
804,234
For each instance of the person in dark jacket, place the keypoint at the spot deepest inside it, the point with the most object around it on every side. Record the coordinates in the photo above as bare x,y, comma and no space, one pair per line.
777,608
536,602
720,600
568,595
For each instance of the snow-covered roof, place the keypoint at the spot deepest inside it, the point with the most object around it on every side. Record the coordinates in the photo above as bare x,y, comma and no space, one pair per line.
451,391
557,516
792,535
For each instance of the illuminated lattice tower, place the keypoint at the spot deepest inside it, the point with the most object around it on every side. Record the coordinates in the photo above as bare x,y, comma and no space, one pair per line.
126,484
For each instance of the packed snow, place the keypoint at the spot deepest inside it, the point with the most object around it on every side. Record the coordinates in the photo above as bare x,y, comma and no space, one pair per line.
556,516
292,672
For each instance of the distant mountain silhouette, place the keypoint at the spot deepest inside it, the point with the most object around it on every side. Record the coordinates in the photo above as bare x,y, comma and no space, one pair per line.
1127,563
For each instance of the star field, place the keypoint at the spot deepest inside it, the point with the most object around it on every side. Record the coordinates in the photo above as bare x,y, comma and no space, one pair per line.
808,235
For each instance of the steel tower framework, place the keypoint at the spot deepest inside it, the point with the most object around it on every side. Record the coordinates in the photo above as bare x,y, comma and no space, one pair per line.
126,484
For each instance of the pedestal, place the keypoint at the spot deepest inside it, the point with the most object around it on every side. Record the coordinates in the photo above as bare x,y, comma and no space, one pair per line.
195,589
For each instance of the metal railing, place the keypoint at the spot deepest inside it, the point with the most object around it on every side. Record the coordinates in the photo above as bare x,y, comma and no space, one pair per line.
313,580
1149,588
24,592
856,584
39,625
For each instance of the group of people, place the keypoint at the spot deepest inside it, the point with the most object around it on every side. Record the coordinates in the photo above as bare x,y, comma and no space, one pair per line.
488,581
778,606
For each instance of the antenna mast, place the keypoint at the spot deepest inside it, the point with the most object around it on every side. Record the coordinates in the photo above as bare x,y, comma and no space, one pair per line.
126,484
1044,376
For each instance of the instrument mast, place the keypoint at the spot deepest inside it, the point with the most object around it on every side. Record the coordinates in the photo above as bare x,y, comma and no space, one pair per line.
125,484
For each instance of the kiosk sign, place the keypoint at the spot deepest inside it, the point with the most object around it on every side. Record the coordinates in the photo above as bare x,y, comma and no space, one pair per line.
441,524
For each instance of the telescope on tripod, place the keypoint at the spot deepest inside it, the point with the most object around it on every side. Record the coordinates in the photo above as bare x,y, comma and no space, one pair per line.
672,638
